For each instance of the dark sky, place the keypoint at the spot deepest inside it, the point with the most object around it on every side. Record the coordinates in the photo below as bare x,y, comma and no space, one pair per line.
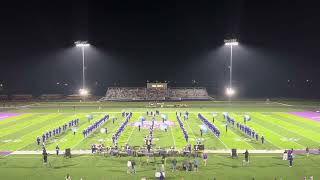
176,41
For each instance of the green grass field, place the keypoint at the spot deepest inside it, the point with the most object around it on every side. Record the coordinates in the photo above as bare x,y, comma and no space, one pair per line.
221,167
280,129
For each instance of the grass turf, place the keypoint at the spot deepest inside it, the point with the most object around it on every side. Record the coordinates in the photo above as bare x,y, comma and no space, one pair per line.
221,167
280,129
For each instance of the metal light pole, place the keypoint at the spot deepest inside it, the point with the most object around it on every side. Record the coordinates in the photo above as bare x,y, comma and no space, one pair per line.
83,45
231,43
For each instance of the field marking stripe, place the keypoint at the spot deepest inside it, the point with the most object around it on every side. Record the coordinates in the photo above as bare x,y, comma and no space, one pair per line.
291,130
28,134
174,141
133,128
106,123
295,126
233,132
86,124
268,129
56,123
240,137
215,135
31,142
265,140
27,124
190,128
283,104
277,133
13,119
290,117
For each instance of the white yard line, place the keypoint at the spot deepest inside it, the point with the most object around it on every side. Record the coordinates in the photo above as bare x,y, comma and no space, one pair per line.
91,133
86,152
240,138
133,128
290,130
265,140
191,129
216,136
174,142
283,104
280,136
35,131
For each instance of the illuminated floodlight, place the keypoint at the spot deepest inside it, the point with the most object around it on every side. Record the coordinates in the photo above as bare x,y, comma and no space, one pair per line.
230,92
231,42
82,43
83,92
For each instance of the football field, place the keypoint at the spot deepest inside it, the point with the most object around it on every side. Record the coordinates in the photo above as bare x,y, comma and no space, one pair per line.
281,127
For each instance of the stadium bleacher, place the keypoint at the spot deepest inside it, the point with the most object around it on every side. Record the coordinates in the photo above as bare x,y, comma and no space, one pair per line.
22,97
51,97
155,94
4,97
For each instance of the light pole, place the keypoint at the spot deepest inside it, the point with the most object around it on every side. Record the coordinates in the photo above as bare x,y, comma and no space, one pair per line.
230,42
82,45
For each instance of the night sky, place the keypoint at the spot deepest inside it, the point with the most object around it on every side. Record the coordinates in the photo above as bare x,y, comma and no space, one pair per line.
174,41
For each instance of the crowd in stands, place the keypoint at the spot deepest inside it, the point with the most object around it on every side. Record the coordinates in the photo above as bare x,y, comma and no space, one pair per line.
21,97
51,96
140,93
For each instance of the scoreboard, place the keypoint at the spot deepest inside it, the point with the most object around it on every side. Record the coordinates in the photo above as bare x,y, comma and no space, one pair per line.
157,85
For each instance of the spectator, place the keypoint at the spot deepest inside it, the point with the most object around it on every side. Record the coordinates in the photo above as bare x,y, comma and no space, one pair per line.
129,165
133,164
164,159
174,164
57,149
205,158
189,166
45,156
285,155
161,176
290,158
185,166
68,177
246,158
196,163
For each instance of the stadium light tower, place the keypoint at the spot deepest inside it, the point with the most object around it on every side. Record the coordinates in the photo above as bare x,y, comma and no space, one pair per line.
230,42
82,45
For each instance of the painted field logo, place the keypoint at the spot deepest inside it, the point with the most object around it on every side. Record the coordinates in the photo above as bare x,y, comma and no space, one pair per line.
63,140
157,124
10,140
6,140
17,140
244,139
290,139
